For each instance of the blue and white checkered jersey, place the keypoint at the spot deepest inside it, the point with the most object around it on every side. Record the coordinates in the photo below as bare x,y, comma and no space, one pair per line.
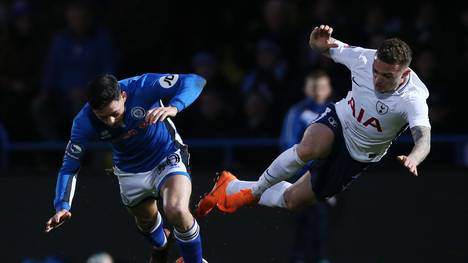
136,146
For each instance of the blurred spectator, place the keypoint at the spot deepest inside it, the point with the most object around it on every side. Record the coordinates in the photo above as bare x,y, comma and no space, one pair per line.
323,12
20,59
318,90
213,117
277,25
215,107
270,74
425,27
425,66
102,257
75,56
258,118
376,22
206,65
310,238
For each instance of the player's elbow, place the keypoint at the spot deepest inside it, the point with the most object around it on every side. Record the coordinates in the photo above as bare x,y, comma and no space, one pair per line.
198,80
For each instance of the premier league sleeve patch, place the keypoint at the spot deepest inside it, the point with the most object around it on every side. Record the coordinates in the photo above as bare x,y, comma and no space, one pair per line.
74,150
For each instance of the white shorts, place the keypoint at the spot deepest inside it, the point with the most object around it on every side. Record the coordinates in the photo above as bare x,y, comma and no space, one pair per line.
135,187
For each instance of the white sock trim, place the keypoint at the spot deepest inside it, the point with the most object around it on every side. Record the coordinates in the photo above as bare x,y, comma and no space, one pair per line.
158,222
188,235
156,225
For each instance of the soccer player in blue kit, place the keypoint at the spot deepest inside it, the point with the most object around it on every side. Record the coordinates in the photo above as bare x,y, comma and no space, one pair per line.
150,159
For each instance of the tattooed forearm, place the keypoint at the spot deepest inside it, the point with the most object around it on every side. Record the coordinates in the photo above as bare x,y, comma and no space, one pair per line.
422,143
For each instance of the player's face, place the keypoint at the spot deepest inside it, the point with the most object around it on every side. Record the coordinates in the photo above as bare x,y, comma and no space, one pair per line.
322,89
112,115
388,77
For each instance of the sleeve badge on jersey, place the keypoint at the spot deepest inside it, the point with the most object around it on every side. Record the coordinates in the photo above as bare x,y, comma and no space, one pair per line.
168,81
74,150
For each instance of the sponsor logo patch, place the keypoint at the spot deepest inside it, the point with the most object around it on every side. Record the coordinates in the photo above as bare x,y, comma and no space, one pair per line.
168,81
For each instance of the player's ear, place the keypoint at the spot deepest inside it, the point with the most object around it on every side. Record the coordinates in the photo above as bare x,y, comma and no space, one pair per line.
123,94
406,72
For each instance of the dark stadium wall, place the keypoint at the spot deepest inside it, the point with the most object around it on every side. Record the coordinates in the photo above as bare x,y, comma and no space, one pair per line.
386,216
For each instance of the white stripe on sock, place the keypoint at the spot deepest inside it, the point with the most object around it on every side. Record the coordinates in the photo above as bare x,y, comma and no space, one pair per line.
188,235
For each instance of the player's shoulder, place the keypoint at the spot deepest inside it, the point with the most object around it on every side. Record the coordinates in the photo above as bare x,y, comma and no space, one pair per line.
366,56
83,119
415,88
164,80
131,82
362,58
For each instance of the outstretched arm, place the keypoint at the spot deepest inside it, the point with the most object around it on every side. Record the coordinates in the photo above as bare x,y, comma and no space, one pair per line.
65,187
180,89
81,133
321,40
422,147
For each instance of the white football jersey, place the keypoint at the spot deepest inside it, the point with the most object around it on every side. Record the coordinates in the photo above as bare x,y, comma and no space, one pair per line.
372,120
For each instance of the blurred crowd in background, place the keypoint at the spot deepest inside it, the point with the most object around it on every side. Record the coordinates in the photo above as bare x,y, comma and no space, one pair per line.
254,54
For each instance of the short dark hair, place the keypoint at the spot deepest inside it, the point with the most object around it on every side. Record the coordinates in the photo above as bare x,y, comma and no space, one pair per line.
316,74
102,90
395,51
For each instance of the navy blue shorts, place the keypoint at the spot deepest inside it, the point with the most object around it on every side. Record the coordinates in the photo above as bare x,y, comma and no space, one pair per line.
333,174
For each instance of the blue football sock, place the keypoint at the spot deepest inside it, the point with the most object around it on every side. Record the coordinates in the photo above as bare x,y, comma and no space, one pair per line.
156,236
190,244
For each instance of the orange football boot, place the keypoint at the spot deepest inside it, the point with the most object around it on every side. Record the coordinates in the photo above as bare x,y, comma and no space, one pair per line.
216,195
235,201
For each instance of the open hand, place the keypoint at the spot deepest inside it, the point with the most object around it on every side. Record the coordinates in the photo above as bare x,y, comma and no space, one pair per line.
57,220
321,39
160,114
409,163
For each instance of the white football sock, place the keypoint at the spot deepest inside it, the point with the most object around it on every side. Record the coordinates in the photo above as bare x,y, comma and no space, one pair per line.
273,196
282,168
237,185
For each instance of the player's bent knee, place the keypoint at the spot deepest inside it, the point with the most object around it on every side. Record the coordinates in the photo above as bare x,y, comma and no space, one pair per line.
306,152
316,142
175,212
295,199
289,201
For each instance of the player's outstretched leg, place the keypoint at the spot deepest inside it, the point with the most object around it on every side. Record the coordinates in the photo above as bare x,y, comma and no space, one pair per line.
150,223
230,194
176,197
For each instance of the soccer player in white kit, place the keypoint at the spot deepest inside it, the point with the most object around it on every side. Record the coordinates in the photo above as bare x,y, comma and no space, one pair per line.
386,97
